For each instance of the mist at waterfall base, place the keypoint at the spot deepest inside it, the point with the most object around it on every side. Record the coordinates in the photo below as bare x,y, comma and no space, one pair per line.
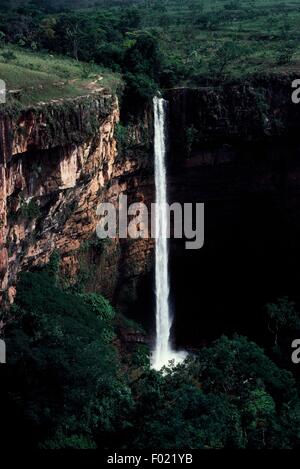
163,353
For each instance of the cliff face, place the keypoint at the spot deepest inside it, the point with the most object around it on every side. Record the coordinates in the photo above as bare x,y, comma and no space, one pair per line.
220,117
58,162
233,140
234,148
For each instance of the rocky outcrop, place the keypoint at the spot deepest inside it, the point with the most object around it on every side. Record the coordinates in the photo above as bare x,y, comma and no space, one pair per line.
235,148
220,117
58,162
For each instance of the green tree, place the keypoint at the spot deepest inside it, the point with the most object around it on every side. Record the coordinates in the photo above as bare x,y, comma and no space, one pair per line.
286,52
144,56
66,377
282,319
139,87
226,55
229,395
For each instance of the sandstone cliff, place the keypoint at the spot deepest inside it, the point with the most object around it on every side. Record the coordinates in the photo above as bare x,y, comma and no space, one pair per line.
58,162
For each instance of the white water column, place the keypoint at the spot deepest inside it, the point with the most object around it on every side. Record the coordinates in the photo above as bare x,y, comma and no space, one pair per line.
163,352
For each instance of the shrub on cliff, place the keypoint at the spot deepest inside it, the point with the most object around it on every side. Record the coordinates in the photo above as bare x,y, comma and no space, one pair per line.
29,210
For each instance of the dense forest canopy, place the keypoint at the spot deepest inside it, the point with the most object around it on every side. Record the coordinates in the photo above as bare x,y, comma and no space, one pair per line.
78,391
160,44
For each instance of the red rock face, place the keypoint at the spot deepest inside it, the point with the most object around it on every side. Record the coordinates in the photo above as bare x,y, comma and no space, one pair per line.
3,224
58,166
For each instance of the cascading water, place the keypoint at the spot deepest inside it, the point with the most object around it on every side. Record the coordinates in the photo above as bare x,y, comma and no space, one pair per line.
163,352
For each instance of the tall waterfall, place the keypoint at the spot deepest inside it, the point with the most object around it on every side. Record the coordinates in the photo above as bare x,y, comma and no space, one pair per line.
163,352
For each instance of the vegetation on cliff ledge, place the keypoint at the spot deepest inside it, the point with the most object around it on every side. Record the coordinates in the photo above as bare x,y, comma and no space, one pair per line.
35,77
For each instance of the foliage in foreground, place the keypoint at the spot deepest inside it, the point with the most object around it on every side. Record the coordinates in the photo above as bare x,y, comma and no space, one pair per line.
230,395
66,383
69,387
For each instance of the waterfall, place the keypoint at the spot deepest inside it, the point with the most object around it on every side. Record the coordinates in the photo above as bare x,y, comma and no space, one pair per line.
163,351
